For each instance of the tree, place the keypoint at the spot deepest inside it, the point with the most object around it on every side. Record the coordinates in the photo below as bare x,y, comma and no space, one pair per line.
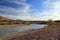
49,21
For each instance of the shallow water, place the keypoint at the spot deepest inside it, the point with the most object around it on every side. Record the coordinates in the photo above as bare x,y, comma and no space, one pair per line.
5,31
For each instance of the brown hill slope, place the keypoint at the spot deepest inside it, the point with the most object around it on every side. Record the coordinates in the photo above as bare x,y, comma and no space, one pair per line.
53,33
4,19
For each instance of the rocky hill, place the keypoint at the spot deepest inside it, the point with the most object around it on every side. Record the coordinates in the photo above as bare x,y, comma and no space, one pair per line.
51,33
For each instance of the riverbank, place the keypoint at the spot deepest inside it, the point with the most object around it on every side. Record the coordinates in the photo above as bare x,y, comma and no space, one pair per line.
14,25
52,32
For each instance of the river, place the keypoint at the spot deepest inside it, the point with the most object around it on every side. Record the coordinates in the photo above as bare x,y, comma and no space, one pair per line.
5,31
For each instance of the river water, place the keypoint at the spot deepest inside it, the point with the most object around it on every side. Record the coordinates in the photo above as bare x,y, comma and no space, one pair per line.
5,31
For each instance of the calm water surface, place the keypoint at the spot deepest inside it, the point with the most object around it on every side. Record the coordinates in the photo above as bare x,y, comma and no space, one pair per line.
5,31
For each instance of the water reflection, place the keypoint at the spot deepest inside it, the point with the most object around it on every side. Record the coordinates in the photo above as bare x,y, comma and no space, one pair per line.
4,31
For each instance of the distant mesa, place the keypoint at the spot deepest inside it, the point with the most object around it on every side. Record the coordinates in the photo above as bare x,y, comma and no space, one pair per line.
4,19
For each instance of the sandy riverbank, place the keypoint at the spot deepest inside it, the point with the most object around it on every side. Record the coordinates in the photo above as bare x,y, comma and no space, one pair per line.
8,26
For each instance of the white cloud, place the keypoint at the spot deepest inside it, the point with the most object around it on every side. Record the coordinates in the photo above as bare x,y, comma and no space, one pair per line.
9,11
29,18
52,12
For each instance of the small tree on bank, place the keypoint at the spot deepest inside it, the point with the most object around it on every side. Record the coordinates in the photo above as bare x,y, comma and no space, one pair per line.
49,21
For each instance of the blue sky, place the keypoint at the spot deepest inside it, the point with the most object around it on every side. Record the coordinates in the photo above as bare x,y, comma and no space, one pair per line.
30,9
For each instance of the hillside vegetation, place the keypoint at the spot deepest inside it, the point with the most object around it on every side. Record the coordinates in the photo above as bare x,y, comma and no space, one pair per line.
7,21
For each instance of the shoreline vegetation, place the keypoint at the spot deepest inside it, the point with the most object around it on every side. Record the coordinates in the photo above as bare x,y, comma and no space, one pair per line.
6,22
50,32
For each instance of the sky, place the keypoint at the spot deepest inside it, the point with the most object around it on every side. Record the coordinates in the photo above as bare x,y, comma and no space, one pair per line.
31,10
